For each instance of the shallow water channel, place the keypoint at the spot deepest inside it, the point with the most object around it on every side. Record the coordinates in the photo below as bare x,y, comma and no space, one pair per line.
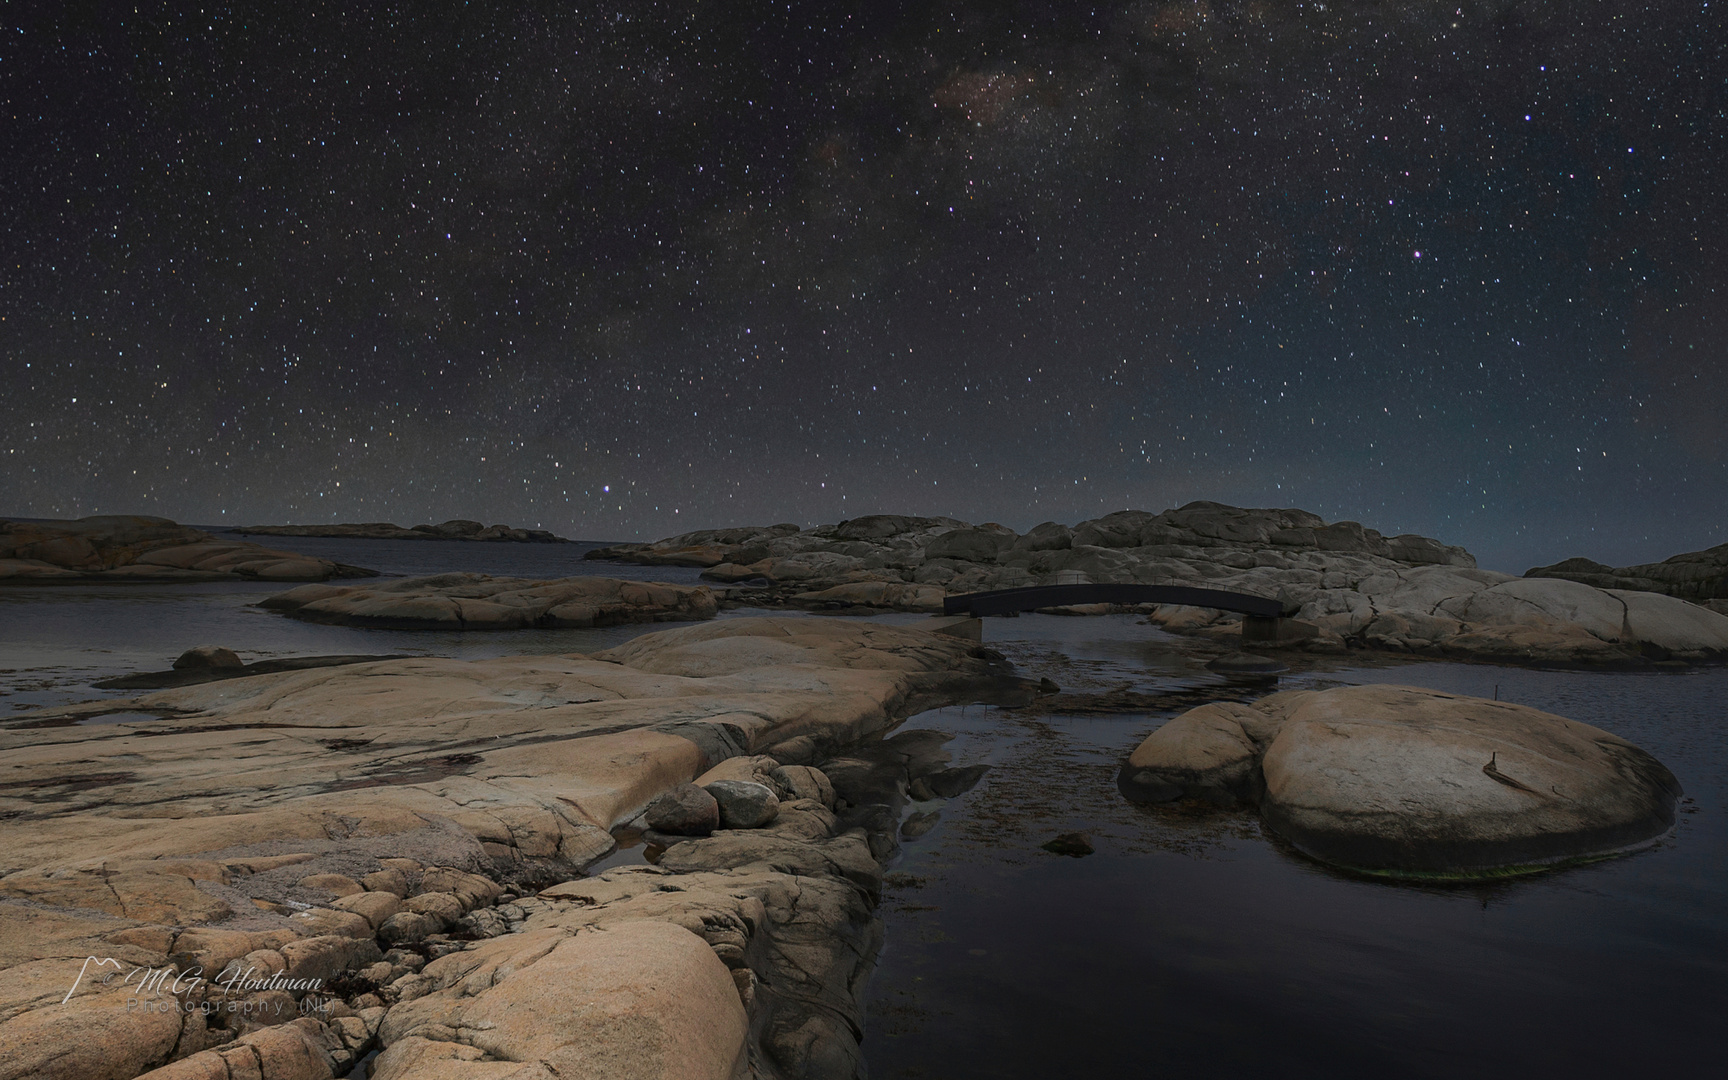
1193,942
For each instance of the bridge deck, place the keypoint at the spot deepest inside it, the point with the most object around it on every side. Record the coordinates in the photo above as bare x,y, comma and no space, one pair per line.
1002,601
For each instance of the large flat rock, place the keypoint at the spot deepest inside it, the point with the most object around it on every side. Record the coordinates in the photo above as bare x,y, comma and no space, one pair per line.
1408,780
466,601
636,1000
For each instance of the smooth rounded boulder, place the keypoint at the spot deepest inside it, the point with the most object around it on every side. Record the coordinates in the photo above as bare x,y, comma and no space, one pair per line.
744,805
203,657
686,810
1206,753
1405,780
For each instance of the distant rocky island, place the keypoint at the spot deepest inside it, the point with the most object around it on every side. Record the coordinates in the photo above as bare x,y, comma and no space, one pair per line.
1699,576
139,548
1348,586
462,601
454,529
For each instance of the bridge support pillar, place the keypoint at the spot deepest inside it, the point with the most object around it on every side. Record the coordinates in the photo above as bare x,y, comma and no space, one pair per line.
1261,628
1266,630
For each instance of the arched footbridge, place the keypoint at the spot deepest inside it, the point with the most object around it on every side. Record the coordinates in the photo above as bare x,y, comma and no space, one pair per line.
1263,619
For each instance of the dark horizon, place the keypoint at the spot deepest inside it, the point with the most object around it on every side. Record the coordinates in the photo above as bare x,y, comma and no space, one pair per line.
1443,268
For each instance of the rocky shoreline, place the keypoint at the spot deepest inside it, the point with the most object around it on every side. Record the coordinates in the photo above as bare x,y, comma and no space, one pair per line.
454,529
146,550
391,848
1349,586
292,865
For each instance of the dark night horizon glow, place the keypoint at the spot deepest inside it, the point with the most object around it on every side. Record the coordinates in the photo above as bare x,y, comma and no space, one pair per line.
1443,268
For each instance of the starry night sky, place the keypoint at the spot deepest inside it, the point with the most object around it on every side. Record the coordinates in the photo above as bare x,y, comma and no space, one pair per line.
624,271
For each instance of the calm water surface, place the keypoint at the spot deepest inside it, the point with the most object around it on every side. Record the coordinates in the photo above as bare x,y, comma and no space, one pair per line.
1192,943
56,639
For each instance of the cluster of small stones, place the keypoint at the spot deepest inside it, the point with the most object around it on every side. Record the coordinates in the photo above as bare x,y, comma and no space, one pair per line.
785,864
278,1006
771,865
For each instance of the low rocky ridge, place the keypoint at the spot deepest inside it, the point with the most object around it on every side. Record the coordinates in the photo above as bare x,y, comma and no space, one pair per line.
1700,576
464,601
454,529
138,548
399,831
1349,586
1411,781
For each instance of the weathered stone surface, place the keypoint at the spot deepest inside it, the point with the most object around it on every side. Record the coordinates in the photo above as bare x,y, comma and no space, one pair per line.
706,547
882,594
1050,536
302,1049
481,602
981,544
454,529
321,921
743,805
686,810
336,884
1671,628
446,906
92,1036
374,907
636,999
1207,752
805,782
391,879
472,890
139,548
1407,780
410,926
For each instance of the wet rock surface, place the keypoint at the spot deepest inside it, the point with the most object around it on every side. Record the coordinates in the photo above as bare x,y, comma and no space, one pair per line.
466,601
1405,780
143,549
1348,586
